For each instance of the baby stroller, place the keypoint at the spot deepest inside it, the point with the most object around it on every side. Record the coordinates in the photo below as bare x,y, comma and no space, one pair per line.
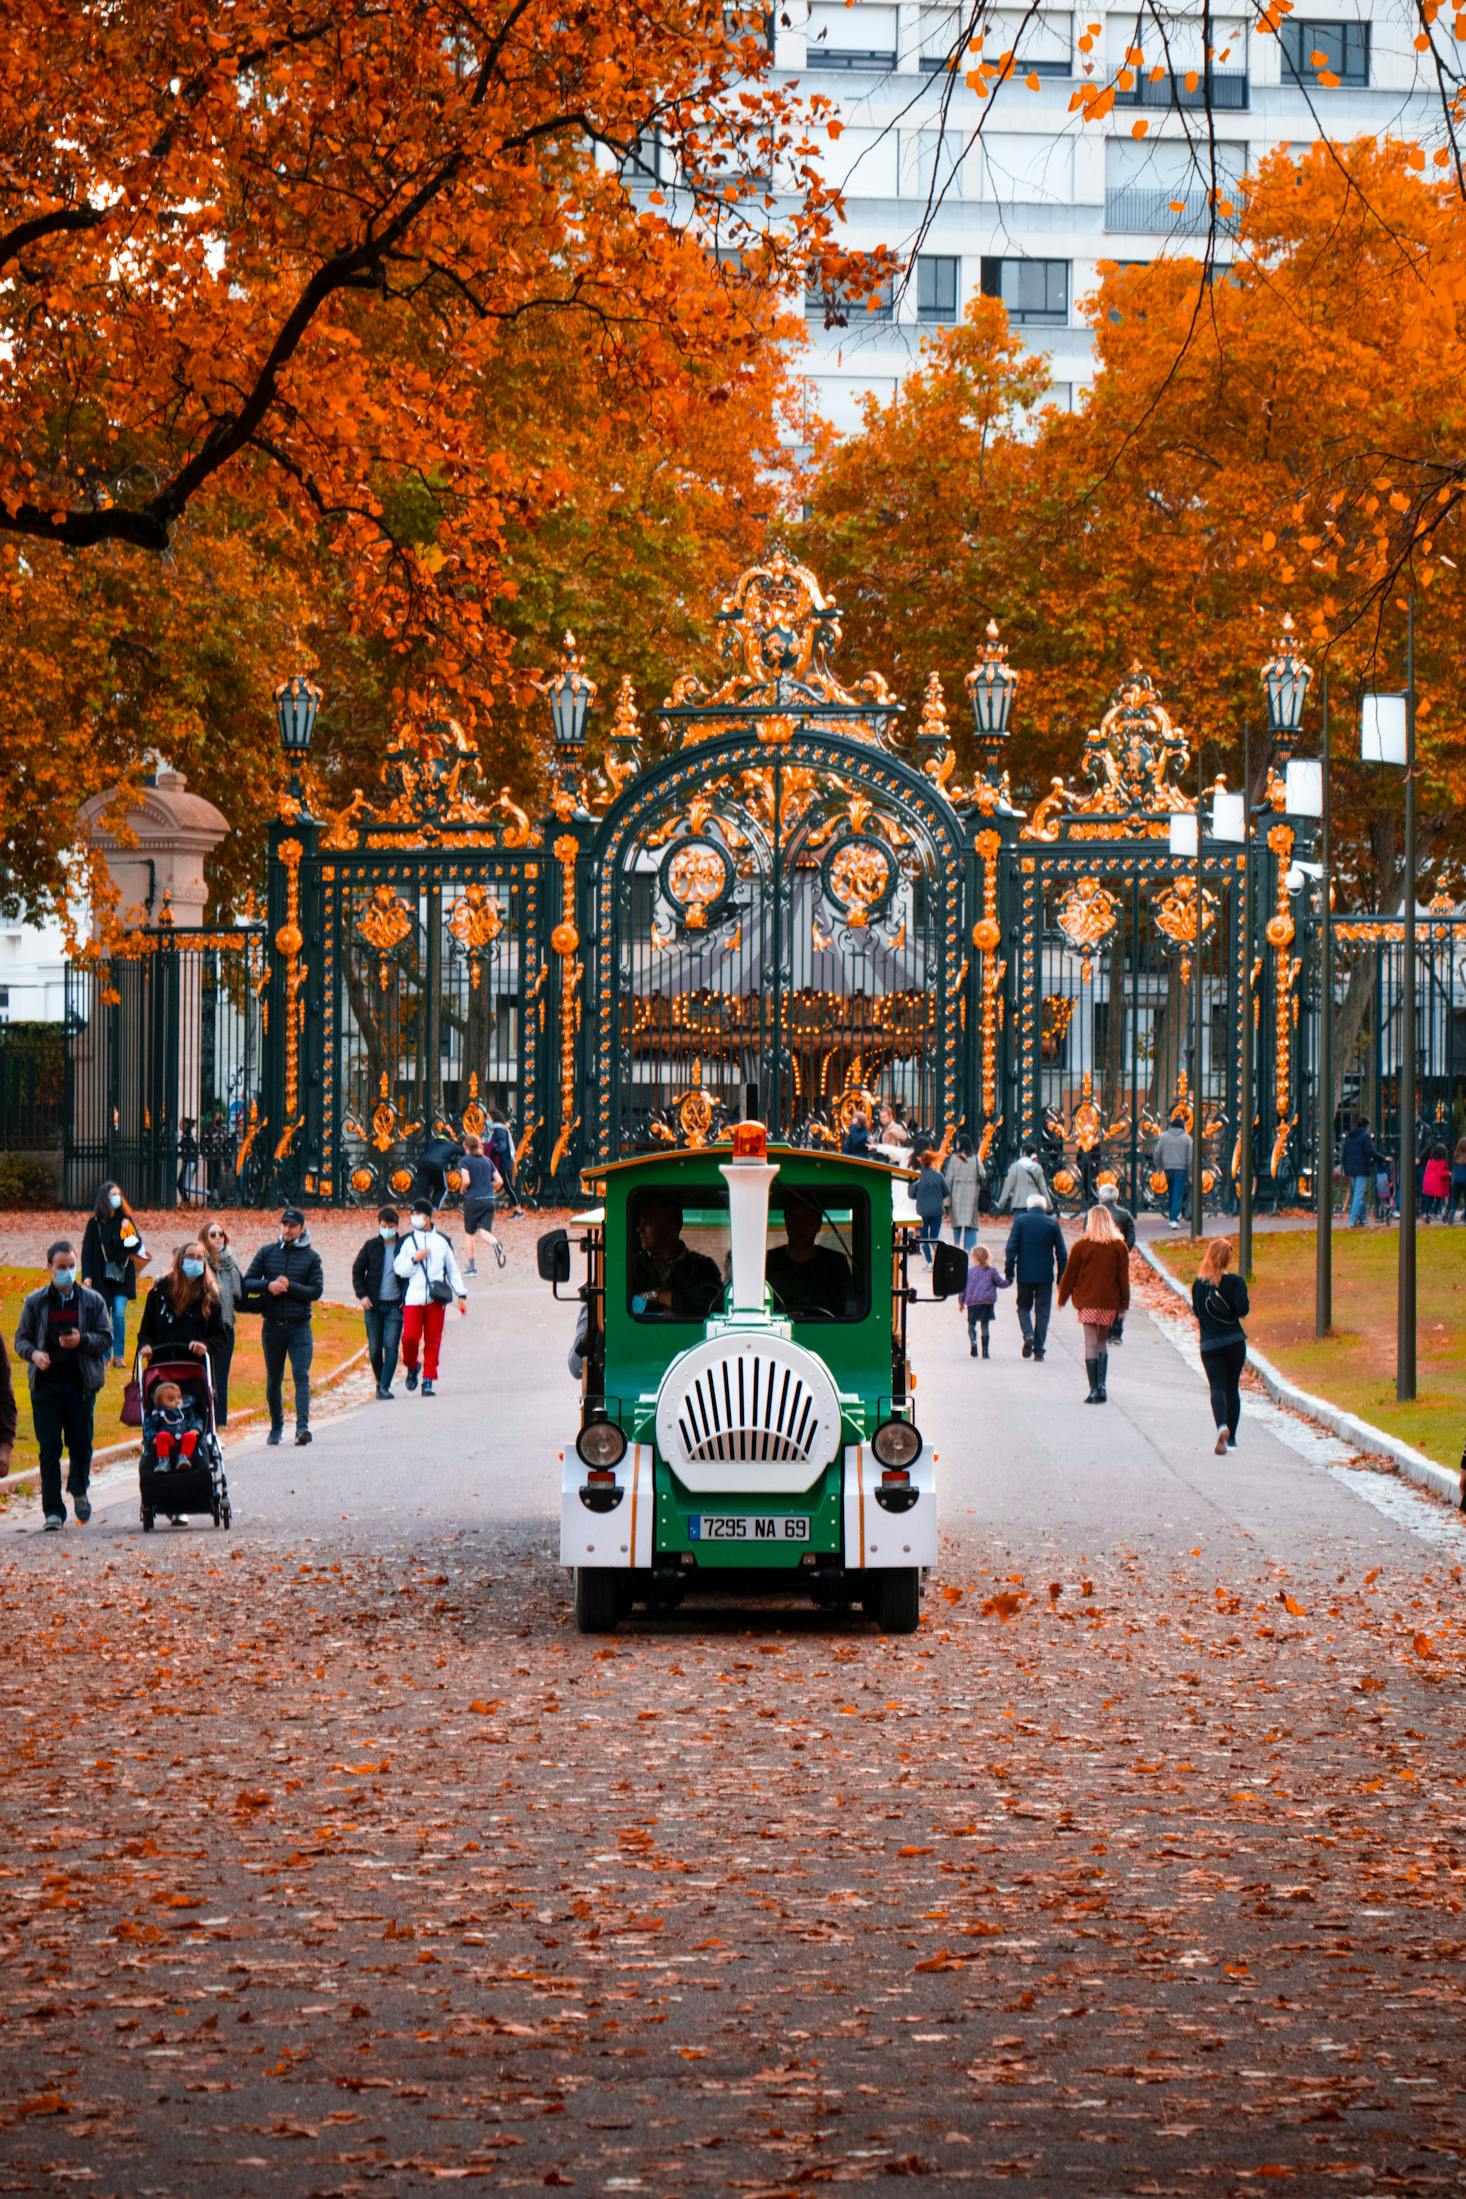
197,1485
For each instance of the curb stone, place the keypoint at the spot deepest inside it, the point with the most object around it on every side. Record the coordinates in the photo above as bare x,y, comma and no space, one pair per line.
113,1454
1444,1481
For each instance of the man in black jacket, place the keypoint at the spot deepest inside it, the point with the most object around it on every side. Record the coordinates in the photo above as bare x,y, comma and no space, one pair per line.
65,1335
283,1282
378,1289
1035,1255
1362,1159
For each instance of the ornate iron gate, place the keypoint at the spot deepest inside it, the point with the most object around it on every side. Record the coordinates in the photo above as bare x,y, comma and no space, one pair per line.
778,906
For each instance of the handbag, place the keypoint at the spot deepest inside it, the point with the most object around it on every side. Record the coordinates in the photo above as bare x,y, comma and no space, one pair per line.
1220,1309
132,1401
441,1292
114,1271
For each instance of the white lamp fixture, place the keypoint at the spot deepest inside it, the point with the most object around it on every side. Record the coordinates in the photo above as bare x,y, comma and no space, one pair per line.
1229,818
1382,729
1184,839
1303,787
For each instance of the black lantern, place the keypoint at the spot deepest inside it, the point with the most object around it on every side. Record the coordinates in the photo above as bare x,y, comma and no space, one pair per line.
1286,678
296,702
571,693
990,686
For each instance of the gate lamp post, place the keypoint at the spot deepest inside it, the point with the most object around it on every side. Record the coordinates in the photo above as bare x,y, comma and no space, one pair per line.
1306,796
297,700
1286,678
1185,842
570,694
1387,736
990,688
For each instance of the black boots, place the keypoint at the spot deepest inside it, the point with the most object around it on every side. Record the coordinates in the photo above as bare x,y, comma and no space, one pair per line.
1103,1364
1096,1394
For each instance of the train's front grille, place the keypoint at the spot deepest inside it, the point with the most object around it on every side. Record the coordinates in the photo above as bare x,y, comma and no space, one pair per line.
746,1410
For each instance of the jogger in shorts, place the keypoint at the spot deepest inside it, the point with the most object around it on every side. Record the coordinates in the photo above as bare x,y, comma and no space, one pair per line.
482,1182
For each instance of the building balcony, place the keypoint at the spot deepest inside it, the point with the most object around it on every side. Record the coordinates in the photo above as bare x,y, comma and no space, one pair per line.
1163,213
1224,91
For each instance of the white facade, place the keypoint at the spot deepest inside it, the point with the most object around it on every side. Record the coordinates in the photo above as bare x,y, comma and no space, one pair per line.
32,972
1019,194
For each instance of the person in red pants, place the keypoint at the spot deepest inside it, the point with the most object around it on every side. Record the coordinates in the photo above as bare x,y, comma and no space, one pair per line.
430,1284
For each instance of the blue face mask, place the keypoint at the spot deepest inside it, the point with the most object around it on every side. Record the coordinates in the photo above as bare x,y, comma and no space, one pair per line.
193,1269
114,1200
388,1236
63,1277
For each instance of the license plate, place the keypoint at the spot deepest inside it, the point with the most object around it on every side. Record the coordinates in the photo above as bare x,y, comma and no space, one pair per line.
746,1527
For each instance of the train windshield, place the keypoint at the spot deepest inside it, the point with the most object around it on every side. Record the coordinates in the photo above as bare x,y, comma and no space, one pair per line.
817,1262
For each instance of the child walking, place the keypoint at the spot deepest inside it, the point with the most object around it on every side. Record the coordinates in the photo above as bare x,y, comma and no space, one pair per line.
980,1297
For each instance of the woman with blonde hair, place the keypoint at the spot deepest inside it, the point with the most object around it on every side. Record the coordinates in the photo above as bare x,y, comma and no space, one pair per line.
1219,1301
1096,1279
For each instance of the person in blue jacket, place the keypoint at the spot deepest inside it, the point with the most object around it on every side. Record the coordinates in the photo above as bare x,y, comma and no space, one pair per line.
1034,1257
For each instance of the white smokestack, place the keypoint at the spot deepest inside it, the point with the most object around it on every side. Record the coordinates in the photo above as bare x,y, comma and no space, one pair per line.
748,1184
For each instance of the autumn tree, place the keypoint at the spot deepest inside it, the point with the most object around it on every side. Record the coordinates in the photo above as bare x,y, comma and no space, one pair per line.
272,279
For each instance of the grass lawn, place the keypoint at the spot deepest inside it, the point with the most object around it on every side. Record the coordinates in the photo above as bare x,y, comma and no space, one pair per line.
1355,1367
338,1335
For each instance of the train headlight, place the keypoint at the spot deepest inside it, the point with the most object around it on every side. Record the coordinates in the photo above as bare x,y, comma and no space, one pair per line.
600,1445
896,1443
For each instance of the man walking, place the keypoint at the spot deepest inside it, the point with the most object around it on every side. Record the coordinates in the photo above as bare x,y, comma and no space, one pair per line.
1023,1179
283,1282
1361,1160
378,1289
499,1143
1173,1158
430,1280
65,1336
1108,1196
1034,1256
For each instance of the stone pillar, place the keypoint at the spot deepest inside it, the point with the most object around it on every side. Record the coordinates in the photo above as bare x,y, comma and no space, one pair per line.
138,1063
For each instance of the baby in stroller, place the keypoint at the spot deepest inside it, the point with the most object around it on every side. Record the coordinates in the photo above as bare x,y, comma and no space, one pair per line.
172,1426
181,1465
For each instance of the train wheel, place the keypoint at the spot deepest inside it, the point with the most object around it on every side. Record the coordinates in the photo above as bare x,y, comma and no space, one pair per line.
597,1598
898,1605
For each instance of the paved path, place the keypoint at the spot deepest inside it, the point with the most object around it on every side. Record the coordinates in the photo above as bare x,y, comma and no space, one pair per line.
337,1862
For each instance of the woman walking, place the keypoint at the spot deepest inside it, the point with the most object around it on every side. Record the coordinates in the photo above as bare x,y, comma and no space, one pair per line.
1458,1181
112,1251
1219,1301
965,1174
182,1309
1096,1279
229,1282
929,1197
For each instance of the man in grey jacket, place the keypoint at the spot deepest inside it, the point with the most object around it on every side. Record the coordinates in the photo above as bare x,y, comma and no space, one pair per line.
1023,1179
1173,1156
65,1337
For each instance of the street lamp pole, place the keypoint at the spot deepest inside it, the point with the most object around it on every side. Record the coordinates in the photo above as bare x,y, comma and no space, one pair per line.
1323,1137
1197,1187
1405,1367
1244,1067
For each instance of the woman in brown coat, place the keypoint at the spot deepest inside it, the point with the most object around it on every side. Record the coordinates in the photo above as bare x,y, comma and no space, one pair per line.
1096,1279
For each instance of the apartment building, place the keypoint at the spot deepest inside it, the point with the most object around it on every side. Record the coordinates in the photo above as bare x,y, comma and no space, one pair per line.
1017,197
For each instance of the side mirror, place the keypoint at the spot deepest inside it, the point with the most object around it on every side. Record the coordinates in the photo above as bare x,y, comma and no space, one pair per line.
552,1256
949,1270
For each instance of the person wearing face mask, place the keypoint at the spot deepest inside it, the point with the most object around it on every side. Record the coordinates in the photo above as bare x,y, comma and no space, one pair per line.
65,1337
378,1290
229,1282
112,1251
283,1282
182,1311
430,1282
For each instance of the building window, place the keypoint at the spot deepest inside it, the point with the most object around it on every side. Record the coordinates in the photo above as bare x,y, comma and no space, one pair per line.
839,309
1312,50
859,37
936,288
749,22
1032,290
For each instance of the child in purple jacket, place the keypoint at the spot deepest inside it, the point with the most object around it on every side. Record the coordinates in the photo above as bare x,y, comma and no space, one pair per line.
980,1296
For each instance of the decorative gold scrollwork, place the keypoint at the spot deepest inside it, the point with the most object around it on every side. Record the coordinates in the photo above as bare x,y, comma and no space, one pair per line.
1087,915
384,924
475,921
859,876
